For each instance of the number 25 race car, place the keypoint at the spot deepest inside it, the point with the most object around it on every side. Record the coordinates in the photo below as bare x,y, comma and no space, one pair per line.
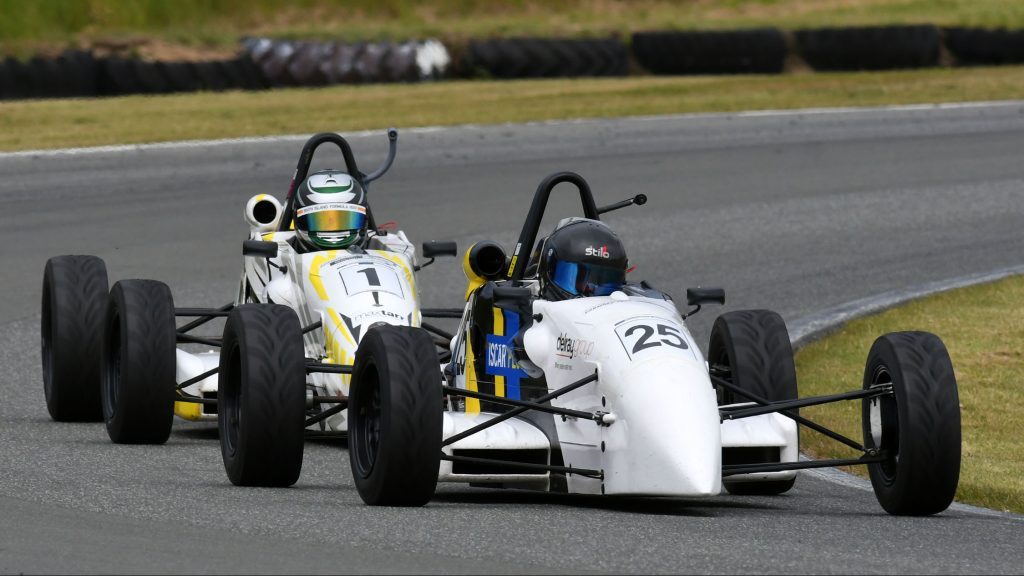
318,274
565,377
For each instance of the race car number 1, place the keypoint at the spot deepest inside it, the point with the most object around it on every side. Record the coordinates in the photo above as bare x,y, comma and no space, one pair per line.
640,334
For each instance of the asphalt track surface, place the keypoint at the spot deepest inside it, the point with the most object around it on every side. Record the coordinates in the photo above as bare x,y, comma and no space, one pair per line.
797,212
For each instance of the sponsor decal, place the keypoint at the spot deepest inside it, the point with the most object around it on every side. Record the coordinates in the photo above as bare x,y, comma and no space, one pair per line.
570,348
601,252
330,206
561,366
500,359
377,314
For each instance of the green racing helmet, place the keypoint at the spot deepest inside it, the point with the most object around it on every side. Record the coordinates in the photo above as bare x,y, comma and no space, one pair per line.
330,211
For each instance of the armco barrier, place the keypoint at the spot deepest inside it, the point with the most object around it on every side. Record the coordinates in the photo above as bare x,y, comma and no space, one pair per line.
758,51
984,46
545,58
869,48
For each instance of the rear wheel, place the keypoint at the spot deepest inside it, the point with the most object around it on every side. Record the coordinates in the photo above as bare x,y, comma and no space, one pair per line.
139,360
395,418
917,426
74,300
261,396
754,346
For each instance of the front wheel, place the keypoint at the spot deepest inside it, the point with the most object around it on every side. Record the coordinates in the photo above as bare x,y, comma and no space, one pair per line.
754,346
261,396
74,300
917,426
395,418
139,358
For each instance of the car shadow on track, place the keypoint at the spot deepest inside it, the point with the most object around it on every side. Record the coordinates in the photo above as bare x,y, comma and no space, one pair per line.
627,504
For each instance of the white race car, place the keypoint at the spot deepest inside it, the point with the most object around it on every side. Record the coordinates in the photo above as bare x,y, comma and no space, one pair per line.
287,347
565,377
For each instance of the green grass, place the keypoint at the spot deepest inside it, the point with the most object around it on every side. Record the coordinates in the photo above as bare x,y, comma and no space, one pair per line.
137,119
980,326
26,25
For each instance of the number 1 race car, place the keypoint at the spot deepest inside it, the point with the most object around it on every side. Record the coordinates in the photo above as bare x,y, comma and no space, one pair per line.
565,377
290,337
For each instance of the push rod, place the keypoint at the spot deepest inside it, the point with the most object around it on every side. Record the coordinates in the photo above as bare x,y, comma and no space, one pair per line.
519,410
732,469
791,415
199,378
526,466
529,405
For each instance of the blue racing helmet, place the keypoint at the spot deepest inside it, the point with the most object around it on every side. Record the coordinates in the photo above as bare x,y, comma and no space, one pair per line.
581,257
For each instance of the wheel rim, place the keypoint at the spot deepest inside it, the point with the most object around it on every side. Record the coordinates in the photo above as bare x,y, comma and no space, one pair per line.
368,422
883,424
112,377
229,399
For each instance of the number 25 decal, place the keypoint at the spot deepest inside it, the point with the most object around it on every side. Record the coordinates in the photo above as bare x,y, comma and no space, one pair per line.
666,335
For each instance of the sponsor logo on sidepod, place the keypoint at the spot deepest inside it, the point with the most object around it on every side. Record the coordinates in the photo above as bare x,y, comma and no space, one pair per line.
570,348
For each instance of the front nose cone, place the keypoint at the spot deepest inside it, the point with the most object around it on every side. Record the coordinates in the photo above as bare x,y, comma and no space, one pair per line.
666,440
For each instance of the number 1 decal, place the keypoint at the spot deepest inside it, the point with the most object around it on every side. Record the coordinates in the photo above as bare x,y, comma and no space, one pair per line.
371,276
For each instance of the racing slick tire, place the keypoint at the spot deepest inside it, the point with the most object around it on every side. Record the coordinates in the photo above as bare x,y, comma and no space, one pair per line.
754,345
261,396
395,417
139,362
73,304
917,426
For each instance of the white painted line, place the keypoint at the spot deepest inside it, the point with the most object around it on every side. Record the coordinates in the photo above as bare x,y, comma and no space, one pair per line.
186,144
810,328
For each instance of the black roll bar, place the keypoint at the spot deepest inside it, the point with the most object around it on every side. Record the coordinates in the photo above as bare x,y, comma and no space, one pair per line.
306,159
528,236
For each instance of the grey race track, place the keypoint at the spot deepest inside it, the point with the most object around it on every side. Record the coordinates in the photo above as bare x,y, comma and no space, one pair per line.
798,212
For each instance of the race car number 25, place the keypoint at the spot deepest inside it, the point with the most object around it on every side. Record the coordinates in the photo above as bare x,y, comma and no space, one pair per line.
641,334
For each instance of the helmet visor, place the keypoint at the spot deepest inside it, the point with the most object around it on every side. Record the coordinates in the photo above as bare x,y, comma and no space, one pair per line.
580,279
330,217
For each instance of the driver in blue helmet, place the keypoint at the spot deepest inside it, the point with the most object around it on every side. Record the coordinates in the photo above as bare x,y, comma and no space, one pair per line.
582,257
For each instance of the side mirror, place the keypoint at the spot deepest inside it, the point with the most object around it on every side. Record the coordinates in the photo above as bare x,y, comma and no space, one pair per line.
699,296
434,249
259,248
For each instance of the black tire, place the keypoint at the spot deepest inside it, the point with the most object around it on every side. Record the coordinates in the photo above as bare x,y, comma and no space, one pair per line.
74,301
395,418
261,395
919,423
754,346
755,51
870,47
139,360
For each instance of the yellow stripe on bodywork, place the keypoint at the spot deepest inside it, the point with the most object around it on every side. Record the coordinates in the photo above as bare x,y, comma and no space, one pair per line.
188,410
472,404
401,263
499,330
314,271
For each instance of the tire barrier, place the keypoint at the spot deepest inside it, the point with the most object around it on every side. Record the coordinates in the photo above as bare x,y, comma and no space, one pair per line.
545,58
757,51
983,46
870,48
298,63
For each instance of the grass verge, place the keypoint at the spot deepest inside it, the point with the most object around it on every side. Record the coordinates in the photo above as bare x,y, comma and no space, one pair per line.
980,326
136,119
